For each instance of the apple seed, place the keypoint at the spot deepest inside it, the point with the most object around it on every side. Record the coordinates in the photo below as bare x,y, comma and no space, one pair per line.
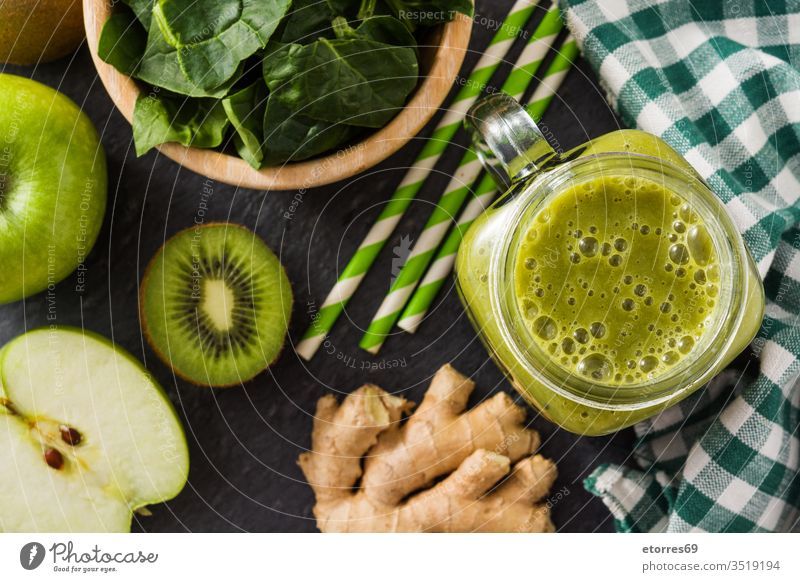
70,435
53,458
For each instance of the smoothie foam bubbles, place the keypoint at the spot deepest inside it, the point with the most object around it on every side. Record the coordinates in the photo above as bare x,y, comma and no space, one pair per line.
617,279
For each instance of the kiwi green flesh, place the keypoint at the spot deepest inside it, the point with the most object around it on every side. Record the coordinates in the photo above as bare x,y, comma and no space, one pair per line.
216,304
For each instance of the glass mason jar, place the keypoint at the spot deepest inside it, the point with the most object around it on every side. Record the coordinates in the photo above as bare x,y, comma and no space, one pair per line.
534,323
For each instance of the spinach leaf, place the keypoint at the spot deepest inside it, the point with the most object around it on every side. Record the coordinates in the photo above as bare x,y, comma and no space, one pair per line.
292,137
416,13
143,9
122,42
386,29
159,119
212,37
245,110
160,67
321,85
281,63
311,19
356,81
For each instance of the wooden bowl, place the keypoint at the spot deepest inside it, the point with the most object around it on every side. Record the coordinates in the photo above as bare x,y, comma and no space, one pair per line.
439,64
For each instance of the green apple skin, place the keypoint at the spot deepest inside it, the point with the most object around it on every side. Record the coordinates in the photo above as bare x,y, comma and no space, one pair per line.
132,451
53,187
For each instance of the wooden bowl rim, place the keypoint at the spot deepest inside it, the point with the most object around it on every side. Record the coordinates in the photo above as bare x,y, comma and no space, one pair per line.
338,165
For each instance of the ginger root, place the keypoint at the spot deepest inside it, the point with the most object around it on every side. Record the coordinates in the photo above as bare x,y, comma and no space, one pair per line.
474,451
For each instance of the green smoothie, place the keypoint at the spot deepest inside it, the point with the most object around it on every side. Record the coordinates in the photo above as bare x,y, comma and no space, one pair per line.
617,279
608,296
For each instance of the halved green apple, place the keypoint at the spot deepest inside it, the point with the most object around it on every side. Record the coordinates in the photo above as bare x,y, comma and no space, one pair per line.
86,435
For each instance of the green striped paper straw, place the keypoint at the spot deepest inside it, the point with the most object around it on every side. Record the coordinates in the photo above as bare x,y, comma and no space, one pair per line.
483,195
388,219
458,189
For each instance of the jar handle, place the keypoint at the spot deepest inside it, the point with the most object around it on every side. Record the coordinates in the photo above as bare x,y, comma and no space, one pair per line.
506,139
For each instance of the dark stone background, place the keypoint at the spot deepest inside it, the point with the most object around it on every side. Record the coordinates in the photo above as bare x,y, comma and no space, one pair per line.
244,441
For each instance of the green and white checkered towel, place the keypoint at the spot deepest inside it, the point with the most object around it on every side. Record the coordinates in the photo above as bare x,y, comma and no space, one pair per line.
719,81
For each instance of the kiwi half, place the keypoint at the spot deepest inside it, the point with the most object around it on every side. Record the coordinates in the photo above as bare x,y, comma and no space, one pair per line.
215,304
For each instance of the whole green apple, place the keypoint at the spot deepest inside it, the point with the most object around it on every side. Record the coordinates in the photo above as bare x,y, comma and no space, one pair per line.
52,187
86,435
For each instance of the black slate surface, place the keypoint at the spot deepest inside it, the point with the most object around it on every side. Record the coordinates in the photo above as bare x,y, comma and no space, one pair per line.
244,441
